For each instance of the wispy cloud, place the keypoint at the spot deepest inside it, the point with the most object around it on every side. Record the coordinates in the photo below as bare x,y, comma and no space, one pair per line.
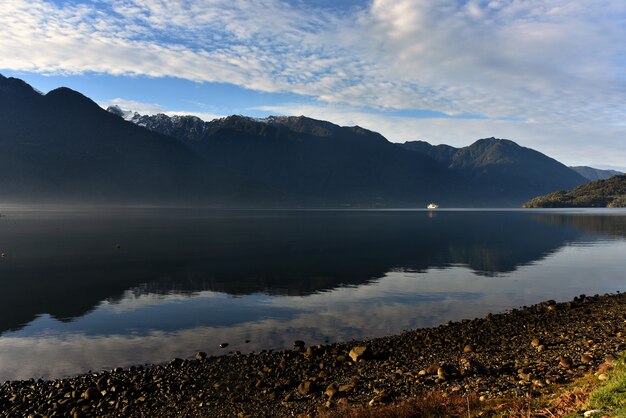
554,62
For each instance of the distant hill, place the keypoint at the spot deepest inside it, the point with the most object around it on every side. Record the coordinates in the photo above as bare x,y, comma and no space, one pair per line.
609,193
501,169
62,147
591,173
308,162
490,172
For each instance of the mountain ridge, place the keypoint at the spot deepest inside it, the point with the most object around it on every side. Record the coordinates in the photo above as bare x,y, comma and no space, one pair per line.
501,164
61,146
591,173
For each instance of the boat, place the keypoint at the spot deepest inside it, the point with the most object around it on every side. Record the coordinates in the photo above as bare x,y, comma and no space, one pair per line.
432,206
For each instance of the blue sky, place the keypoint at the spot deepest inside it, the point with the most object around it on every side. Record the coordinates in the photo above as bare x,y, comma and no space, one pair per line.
548,74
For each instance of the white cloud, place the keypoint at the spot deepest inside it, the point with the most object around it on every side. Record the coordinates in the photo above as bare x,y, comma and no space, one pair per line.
551,63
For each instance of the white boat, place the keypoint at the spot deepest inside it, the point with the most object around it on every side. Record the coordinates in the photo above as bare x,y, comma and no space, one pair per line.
432,206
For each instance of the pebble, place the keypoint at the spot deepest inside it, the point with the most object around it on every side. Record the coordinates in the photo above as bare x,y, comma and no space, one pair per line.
285,383
306,387
360,353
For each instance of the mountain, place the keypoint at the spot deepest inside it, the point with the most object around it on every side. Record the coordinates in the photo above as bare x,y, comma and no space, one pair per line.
308,162
502,170
609,193
63,147
591,173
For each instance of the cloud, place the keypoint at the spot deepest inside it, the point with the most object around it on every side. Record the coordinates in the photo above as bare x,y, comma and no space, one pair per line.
554,62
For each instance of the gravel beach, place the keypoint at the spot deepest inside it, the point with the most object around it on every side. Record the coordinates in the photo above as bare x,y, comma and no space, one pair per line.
523,352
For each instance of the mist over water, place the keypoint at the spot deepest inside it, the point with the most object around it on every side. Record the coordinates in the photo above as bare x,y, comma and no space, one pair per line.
87,289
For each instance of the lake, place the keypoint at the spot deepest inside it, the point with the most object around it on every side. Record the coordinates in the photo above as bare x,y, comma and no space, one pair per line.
90,290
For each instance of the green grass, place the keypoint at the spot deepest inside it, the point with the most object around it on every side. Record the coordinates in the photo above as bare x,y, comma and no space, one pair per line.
611,397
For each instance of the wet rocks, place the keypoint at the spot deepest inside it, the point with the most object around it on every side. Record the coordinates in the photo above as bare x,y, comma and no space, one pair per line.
565,362
469,348
306,387
362,352
504,360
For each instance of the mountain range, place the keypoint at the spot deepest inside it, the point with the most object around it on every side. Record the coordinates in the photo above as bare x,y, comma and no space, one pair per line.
61,146
591,173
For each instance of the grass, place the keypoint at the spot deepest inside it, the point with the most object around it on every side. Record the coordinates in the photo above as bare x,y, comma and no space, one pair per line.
610,398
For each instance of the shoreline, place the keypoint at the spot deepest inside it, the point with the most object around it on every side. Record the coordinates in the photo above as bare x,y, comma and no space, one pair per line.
521,353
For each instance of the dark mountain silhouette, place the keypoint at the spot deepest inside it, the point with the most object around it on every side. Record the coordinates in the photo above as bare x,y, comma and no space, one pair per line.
489,172
600,193
62,146
591,173
501,170
312,162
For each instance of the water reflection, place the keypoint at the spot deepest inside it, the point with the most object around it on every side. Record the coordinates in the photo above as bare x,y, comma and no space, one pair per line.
141,286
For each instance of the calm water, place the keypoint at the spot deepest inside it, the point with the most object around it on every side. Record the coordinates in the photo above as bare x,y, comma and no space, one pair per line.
87,290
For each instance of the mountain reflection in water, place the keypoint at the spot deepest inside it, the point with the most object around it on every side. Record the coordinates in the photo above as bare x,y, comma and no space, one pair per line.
190,276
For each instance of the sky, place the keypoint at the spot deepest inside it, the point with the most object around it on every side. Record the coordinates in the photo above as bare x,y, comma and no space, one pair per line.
548,74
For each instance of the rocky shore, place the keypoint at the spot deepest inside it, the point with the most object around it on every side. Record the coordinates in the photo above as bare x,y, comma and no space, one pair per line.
521,353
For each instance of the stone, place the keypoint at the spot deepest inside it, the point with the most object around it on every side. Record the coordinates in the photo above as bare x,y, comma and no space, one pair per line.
307,387
585,358
91,394
200,355
565,362
432,369
470,366
539,383
177,362
536,342
360,353
469,348
331,391
346,388
603,377
298,344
